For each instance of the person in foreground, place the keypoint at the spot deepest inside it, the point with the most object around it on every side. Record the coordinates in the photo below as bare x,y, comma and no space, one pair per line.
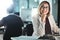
43,21
13,26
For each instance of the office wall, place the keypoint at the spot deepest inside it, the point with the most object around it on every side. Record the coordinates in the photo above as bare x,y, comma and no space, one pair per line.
55,9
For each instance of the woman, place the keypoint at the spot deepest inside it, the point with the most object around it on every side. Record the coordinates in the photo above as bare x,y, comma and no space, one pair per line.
43,22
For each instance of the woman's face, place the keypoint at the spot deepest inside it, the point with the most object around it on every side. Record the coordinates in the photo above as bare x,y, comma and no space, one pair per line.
44,9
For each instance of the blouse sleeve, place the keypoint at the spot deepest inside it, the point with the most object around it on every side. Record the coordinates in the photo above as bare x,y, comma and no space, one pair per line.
37,25
55,27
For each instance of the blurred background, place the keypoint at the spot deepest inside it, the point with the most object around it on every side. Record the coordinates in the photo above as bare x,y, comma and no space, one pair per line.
26,8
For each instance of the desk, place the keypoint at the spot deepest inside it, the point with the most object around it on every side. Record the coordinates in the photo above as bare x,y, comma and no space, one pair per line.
24,38
31,38
57,37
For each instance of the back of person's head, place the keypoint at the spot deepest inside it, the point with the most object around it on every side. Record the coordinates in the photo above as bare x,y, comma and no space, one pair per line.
17,13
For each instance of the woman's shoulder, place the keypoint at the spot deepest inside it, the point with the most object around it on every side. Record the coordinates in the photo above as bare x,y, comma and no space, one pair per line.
50,15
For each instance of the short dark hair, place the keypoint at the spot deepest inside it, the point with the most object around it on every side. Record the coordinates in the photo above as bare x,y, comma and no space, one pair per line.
17,13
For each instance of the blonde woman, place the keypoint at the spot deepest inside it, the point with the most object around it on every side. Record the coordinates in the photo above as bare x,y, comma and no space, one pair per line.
43,21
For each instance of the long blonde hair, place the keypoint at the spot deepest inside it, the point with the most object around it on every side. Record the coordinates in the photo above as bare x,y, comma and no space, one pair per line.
40,5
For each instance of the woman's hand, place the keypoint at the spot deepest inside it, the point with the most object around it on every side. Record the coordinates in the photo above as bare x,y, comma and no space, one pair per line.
43,18
56,31
59,31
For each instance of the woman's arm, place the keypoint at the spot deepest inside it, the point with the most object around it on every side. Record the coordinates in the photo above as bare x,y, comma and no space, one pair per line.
55,27
38,25
35,24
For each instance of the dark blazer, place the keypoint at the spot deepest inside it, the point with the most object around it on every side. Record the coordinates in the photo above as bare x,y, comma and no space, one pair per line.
13,25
